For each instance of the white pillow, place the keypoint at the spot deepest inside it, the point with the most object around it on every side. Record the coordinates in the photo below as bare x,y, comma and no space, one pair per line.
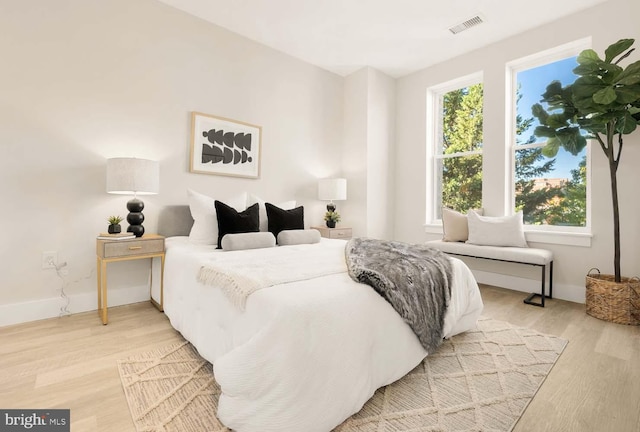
299,236
250,240
496,231
286,205
205,220
455,226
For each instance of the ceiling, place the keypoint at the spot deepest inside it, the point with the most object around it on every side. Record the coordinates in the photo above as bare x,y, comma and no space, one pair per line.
396,37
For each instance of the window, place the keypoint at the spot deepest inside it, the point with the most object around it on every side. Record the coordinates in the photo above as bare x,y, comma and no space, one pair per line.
551,192
455,149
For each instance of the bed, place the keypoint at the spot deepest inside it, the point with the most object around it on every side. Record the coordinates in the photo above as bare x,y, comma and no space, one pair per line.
298,356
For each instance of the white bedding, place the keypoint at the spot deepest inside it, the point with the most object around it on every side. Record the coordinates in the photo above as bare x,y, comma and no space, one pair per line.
302,356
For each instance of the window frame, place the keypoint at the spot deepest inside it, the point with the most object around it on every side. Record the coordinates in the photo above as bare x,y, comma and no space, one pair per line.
579,236
434,134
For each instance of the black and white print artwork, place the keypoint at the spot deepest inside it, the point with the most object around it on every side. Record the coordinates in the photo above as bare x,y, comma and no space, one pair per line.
224,147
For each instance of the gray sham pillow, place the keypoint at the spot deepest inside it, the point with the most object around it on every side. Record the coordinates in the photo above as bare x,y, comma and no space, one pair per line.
250,240
298,236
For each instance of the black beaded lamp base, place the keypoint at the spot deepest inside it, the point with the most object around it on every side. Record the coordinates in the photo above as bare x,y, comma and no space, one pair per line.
135,217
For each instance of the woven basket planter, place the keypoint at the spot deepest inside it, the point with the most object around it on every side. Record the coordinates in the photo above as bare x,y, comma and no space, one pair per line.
617,302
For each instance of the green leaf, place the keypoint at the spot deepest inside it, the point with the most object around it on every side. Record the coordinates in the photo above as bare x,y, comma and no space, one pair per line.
544,131
554,89
585,104
610,116
631,75
610,72
593,125
617,48
570,140
587,86
583,91
628,94
539,112
626,124
582,141
587,69
551,148
604,96
556,121
630,79
588,56
567,100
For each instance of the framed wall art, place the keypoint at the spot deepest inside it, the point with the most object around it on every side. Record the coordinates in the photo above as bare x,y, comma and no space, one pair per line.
223,146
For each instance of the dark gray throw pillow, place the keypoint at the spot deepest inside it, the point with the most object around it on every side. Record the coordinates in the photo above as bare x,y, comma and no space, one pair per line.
279,219
231,221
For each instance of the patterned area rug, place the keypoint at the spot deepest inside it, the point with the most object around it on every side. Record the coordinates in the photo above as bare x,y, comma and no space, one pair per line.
480,380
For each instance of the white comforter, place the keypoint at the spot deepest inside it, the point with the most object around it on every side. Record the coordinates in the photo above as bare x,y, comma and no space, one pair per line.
303,356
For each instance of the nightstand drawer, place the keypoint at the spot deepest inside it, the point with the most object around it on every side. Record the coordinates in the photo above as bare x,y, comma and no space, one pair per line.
340,233
334,233
130,247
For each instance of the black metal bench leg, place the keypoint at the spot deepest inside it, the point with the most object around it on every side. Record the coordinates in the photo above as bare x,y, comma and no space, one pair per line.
542,295
551,279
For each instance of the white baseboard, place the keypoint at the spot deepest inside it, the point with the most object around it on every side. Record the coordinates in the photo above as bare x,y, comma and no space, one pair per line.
18,313
571,293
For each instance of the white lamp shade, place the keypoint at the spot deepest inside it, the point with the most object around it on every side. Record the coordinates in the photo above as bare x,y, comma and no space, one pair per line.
332,189
131,176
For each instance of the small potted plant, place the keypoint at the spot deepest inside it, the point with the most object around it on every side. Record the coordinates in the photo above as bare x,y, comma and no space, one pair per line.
114,224
332,217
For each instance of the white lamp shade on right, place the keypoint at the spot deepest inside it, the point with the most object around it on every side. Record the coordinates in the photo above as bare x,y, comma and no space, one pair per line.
332,189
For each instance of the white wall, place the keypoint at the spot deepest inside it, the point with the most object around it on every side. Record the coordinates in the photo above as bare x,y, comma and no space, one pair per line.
368,153
354,153
380,155
606,24
86,80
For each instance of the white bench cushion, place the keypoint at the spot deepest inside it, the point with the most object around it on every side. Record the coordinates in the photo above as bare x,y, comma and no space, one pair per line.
526,255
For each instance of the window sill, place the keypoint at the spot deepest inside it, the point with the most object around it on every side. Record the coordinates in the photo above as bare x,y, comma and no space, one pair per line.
581,239
537,236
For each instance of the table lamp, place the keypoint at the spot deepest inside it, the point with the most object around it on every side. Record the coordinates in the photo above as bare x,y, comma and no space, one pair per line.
332,189
132,176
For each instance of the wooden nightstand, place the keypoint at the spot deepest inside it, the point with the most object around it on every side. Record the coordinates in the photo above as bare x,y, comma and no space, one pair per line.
333,233
147,246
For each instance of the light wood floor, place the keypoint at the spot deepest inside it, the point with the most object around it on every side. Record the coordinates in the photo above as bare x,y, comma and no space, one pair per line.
70,362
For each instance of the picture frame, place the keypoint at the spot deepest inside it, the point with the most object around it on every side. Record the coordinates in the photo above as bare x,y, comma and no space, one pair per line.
222,146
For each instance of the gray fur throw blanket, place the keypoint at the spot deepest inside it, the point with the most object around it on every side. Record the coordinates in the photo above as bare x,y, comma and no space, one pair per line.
415,279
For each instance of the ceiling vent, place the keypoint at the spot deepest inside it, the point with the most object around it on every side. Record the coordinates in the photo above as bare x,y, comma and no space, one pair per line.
471,22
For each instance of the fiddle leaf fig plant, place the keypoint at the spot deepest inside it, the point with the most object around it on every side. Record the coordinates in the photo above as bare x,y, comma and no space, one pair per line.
602,104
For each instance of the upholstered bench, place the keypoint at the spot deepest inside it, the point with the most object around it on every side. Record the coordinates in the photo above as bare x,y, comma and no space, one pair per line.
519,255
